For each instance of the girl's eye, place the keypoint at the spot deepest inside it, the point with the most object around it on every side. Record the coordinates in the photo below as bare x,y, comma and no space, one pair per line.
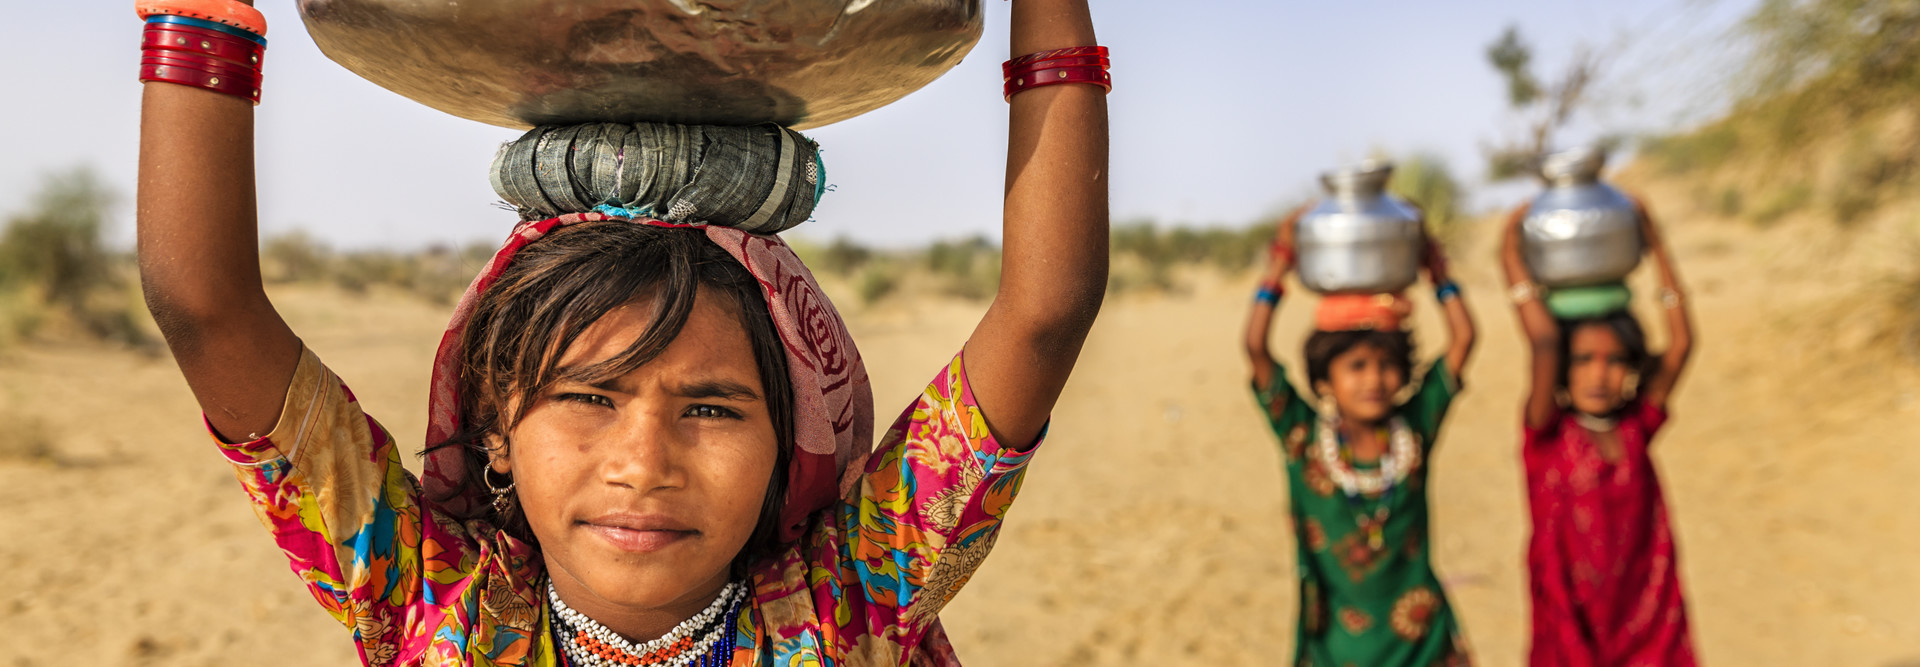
589,399
712,412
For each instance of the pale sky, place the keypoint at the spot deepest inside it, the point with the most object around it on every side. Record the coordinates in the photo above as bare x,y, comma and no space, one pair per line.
1222,111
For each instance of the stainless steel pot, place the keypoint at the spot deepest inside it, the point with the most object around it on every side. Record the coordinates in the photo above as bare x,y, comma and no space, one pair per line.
1359,240
520,63
1580,231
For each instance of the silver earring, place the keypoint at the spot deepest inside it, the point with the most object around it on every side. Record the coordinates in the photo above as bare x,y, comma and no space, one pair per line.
502,497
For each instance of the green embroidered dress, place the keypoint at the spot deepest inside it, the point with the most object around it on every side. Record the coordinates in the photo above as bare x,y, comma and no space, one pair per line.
1362,605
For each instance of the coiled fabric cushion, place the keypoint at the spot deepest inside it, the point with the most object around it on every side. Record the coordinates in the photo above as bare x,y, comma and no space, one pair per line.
760,179
1362,312
1580,303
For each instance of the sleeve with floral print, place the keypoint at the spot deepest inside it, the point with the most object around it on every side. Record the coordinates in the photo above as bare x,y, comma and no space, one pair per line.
928,509
327,482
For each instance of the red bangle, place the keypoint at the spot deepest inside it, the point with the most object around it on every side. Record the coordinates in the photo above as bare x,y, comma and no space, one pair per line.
199,41
1070,52
1049,77
225,12
241,87
208,65
1083,61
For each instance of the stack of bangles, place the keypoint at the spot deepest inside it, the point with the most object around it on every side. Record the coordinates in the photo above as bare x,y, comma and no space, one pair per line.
1080,64
1446,290
1269,293
215,45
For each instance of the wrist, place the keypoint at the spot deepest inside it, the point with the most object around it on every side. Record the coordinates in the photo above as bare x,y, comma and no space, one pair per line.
1523,292
1269,293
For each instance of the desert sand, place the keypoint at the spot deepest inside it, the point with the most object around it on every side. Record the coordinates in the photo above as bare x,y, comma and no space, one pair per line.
1152,526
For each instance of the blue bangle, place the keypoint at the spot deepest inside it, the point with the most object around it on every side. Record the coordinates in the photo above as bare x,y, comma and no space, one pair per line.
1267,295
1446,290
197,23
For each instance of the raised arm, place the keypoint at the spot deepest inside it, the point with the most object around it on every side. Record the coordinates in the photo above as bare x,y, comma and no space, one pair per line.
200,259
1460,329
1260,317
1656,390
1054,261
1543,335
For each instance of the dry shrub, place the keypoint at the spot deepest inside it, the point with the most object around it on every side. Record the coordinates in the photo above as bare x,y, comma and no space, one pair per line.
437,274
58,280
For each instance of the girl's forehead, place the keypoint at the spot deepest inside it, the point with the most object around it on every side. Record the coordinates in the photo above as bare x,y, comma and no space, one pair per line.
1594,334
1364,349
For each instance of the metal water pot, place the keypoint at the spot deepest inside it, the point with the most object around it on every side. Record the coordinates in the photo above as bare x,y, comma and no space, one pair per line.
520,63
1359,240
1580,231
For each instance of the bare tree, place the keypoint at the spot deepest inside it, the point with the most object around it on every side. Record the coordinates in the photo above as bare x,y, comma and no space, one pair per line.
1543,109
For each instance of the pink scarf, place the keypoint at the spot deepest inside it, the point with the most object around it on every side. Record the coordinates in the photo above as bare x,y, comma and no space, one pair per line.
832,399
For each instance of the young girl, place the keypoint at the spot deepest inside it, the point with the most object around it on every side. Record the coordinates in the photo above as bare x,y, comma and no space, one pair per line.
1606,581
650,440
1356,472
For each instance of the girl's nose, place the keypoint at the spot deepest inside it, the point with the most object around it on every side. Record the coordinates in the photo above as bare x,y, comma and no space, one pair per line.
645,453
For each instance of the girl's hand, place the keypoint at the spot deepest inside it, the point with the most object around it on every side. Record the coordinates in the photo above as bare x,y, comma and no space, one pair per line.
1435,260
1282,253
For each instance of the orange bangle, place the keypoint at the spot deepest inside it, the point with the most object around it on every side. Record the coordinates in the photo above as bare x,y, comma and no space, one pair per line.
225,12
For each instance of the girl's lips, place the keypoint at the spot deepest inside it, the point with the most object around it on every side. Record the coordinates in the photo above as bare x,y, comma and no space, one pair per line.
640,533
639,541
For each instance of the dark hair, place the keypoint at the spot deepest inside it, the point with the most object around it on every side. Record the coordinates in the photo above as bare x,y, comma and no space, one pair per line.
1625,328
557,287
1323,346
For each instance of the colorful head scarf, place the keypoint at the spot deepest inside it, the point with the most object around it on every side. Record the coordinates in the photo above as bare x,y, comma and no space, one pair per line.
832,398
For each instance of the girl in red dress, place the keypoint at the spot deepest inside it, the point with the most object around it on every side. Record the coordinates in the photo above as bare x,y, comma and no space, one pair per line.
1606,582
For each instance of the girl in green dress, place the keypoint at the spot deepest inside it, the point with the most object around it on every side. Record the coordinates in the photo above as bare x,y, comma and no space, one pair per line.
1357,468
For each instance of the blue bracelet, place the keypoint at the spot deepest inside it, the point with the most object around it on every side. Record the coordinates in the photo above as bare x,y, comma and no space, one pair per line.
1446,290
1267,295
197,23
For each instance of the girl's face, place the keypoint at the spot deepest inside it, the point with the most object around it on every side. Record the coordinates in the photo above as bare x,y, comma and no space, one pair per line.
1363,381
1597,370
642,489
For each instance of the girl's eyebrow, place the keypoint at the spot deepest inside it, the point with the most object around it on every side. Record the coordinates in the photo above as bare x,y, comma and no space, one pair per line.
726,389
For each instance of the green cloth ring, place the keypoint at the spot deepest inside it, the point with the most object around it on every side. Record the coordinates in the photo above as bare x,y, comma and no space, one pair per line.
1579,303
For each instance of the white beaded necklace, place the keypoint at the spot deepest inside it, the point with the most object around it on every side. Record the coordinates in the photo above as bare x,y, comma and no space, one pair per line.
1401,457
1595,423
587,643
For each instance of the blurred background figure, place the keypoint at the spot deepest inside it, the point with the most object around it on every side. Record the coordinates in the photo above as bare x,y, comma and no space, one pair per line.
1356,448
1601,559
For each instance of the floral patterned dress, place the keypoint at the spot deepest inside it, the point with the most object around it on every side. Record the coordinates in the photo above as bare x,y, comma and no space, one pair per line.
1362,604
415,587
1606,577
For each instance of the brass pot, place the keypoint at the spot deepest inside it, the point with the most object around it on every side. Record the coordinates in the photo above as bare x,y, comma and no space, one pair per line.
520,63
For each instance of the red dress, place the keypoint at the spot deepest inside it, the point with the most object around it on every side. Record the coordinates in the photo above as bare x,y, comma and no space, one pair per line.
1606,583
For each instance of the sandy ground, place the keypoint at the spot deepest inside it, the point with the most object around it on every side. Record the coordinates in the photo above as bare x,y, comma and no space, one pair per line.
1151,529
